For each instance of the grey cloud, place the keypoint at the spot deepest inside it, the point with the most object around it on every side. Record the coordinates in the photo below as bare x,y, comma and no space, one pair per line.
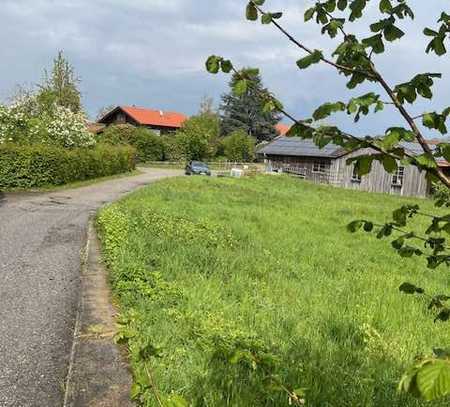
152,52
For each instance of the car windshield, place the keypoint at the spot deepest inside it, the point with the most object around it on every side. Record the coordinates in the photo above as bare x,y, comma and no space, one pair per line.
199,165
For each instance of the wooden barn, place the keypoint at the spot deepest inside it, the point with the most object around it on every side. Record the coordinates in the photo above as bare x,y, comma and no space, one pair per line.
328,165
159,121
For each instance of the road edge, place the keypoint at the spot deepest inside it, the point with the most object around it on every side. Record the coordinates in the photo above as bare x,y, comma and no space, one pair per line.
98,375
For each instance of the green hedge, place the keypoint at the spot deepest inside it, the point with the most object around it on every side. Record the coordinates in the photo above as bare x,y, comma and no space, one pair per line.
39,165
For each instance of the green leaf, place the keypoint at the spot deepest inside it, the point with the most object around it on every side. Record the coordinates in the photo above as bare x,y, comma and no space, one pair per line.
426,160
266,18
333,26
357,7
327,109
430,33
330,6
226,66
355,226
213,64
392,33
443,316
309,14
375,42
301,130
436,121
409,288
342,4
389,164
407,251
363,164
251,12
433,379
309,60
385,6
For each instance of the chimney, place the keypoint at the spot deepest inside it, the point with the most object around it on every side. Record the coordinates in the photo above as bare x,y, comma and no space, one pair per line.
161,113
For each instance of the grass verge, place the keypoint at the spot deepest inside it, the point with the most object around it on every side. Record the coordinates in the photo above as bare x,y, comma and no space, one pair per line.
234,290
77,184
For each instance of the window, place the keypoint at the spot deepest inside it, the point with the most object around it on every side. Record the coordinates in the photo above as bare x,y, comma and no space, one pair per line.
320,167
398,176
355,176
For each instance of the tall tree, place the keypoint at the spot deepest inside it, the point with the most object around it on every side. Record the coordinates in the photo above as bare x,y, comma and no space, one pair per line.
61,85
245,110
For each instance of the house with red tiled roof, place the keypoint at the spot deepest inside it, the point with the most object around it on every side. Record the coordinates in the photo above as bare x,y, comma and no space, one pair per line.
160,121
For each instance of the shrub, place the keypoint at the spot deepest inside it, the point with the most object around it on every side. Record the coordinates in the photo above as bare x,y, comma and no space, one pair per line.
198,136
41,165
117,134
148,144
239,146
172,149
29,121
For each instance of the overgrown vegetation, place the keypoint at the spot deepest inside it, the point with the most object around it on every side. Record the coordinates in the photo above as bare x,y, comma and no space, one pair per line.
250,293
149,146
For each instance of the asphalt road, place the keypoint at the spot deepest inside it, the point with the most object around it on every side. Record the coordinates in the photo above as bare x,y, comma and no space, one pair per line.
41,237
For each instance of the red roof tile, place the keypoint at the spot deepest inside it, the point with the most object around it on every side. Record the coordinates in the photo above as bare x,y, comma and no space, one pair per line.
282,128
155,117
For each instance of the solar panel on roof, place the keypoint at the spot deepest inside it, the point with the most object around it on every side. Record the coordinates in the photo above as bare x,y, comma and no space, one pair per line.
295,146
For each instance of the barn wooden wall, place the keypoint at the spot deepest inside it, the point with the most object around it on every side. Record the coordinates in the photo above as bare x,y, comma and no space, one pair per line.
340,174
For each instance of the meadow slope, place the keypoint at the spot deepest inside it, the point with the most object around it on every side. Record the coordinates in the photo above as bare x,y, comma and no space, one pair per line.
237,286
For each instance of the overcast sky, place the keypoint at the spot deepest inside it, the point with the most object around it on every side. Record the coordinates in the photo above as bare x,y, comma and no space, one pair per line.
151,53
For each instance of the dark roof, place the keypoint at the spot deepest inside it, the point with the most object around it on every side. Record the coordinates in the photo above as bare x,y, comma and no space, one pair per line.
298,147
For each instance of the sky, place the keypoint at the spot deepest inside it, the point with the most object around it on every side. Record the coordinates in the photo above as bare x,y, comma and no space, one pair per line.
151,53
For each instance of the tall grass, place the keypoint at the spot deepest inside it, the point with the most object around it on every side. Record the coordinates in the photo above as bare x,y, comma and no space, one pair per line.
210,269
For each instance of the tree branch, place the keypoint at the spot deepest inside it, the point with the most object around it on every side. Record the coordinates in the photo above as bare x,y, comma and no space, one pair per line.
310,51
410,120
377,76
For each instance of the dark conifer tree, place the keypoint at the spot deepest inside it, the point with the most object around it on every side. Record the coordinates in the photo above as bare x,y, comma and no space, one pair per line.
246,113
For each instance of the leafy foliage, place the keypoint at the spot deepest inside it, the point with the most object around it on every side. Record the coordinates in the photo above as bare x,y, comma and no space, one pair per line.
149,146
60,87
198,137
239,147
39,165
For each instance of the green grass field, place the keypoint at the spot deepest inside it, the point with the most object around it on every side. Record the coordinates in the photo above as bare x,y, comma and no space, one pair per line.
240,285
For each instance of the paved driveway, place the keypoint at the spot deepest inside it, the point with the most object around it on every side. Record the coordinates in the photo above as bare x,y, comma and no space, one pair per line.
41,237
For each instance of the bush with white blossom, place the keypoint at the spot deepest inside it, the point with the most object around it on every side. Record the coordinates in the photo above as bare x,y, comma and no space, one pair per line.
26,121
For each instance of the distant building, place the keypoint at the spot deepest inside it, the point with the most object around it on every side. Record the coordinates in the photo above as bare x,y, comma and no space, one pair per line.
328,165
159,121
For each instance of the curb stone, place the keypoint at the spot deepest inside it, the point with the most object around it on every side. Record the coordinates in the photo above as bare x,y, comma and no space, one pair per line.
98,375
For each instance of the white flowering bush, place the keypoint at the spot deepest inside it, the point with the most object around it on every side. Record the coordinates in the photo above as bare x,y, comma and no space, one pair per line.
69,129
26,121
